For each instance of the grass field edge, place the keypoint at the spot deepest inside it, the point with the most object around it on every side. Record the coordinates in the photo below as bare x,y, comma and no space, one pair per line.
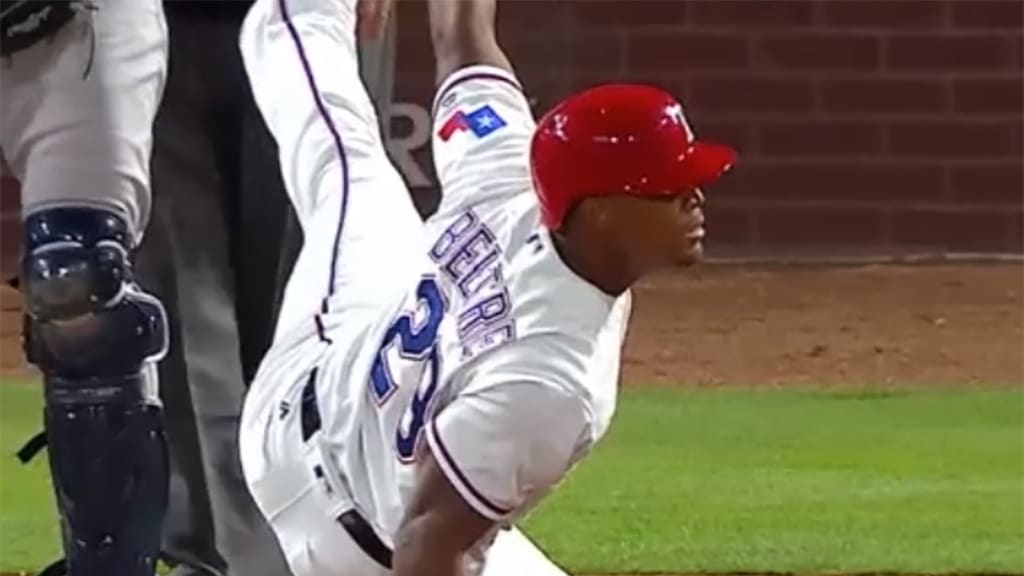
738,573
769,573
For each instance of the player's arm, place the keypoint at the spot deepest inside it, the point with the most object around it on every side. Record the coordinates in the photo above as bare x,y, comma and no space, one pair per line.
464,35
482,120
373,17
439,526
486,454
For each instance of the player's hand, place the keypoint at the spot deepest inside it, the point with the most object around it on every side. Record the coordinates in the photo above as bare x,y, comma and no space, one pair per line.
373,17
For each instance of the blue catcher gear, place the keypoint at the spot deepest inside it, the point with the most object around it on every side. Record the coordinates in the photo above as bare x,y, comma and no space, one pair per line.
96,337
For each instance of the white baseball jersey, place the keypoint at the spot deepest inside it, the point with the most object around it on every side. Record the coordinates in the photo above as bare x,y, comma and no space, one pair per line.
467,334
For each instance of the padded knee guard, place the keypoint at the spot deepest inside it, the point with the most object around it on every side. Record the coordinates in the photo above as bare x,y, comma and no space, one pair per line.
96,338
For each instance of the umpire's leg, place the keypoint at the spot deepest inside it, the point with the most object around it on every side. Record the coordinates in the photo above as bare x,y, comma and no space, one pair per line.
196,163
188,527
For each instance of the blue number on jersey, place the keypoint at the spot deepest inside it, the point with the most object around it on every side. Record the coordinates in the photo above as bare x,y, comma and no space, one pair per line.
416,341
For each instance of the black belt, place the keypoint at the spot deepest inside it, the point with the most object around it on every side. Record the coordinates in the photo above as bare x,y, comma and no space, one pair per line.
361,532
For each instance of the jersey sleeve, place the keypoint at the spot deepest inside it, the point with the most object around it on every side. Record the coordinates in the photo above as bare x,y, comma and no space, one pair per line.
605,369
503,446
482,126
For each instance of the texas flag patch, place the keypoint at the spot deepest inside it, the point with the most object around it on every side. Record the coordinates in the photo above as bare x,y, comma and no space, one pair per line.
481,122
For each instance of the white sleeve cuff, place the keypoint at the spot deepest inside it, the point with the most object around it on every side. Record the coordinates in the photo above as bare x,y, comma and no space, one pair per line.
458,480
473,73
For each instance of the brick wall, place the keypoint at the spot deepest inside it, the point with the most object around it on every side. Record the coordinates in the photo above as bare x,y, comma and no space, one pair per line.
871,124
10,228
878,124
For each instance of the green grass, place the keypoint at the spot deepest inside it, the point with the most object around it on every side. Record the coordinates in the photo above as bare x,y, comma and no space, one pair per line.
29,534
923,481
928,481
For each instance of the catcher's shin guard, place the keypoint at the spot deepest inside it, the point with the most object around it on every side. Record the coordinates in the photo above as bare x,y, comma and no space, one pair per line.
96,338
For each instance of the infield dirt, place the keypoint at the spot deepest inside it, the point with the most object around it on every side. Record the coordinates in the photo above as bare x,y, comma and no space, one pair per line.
799,326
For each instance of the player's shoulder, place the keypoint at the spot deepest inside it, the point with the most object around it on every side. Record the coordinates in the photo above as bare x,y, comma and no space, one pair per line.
550,296
561,354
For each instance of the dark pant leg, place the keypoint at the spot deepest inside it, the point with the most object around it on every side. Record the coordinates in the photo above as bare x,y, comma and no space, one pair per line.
212,298
188,527
183,168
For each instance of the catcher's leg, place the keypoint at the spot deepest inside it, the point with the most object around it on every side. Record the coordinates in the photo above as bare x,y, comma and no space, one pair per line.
360,227
77,111
96,337
78,107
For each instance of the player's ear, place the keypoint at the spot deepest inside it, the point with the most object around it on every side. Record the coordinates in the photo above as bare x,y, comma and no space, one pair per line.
591,213
608,213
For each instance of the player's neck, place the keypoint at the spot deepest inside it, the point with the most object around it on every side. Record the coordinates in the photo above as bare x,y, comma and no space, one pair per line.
609,275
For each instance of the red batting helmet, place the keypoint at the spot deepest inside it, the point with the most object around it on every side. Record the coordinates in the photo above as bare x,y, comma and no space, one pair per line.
618,139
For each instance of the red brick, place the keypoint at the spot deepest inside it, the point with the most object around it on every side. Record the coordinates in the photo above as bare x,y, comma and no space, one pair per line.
830,181
949,53
676,84
739,135
818,52
752,13
723,94
943,139
587,77
983,97
635,13
541,101
884,95
10,195
1015,240
543,89
989,229
414,86
820,225
413,43
988,183
681,51
543,45
599,50
814,138
988,14
10,244
529,18
885,14
728,224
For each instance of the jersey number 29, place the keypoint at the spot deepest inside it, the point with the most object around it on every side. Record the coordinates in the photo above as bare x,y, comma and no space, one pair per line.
414,335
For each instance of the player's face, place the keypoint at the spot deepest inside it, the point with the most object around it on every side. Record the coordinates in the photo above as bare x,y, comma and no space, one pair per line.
667,230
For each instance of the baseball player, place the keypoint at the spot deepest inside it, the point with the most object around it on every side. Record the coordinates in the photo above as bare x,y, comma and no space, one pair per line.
430,383
81,83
